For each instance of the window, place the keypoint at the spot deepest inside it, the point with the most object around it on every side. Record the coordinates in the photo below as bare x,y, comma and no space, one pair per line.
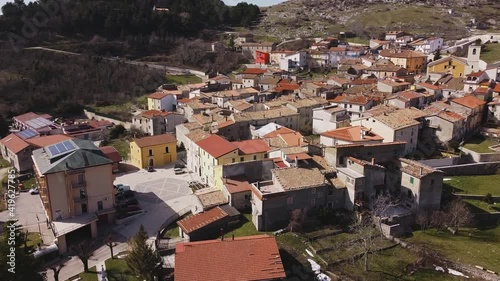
320,194
266,155
150,152
289,200
242,159
330,191
233,160
255,157
247,196
473,52
330,205
313,191
412,180
99,205
313,202
81,178
432,181
166,149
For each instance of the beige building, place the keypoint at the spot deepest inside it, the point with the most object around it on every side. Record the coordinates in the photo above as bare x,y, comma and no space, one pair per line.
75,179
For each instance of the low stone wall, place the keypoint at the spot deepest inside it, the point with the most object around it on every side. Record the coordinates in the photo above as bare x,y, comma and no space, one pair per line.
476,197
482,157
132,217
95,116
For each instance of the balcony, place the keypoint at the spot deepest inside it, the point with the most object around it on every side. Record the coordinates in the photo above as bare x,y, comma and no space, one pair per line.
78,184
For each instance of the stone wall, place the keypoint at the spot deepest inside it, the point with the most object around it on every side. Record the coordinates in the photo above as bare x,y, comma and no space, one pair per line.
95,116
472,169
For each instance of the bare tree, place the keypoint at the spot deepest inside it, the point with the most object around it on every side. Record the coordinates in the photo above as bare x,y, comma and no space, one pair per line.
363,226
110,244
84,251
381,207
459,215
56,269
424,220
438,219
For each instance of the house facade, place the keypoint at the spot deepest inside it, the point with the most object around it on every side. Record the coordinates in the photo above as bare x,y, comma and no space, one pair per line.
153,151
329,118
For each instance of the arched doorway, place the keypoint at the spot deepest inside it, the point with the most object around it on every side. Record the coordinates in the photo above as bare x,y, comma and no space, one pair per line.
151,162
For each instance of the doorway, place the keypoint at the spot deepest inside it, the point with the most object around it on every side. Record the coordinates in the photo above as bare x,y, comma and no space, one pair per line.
151,162
84,208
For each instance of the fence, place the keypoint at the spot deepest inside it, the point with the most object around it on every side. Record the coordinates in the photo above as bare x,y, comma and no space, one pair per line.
482,157
98,117
487,168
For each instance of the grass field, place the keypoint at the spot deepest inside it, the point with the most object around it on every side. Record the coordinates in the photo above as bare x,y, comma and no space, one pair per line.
122,111
390,265
480,185
183,79
480,206
89,276
491,53
471,246
171,232
480,144
4,163
244,228
118,269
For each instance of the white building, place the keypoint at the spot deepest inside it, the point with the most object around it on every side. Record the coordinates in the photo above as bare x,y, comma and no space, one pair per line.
329,118
166,100
294,62
428,45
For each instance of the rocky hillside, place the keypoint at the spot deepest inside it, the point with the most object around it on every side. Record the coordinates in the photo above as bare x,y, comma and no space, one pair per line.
448,18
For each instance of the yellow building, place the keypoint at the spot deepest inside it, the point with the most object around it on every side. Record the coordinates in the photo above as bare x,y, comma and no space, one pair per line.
215,151
413,61
153,151
454,65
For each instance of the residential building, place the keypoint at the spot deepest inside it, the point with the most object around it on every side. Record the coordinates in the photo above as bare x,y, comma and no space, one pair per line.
283,116
354,104
153,151
398,37
252,47
390,86
163,101
261,57
447,125
91,130
474,80
294,62
454,65
384,153
494,111
385,69
250,258
75,180
277,55
421,186
329,118
156,122
349,135
17,147
406,99
474,109
284,137
113,155
243,38
427,45
209,224
220,79
41,123
414,62
196,107
305,107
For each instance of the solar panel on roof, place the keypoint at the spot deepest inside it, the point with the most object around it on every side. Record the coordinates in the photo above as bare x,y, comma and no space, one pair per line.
26,134
68,145
53,150
61,147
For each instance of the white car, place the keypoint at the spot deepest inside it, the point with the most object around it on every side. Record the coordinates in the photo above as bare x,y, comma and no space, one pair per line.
34,190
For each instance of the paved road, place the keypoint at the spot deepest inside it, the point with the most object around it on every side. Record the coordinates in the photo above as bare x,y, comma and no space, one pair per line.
149,64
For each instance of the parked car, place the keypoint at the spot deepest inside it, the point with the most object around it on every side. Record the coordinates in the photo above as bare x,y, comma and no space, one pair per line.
179,171
179,165
128,193
150,169
123,188
34,190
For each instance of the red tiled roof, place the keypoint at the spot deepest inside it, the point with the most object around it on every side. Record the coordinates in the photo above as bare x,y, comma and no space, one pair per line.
293,139
31,115
352,134
112,153
429,86
237,185
402,54
410,95
298,156
252,146
469,101
100,123
254,71
497,88
153,113
14,143
475,74
481,91
279,163
43,141
351,99
248,258
281,130
366,81
158,95
155,140
201,220
216,146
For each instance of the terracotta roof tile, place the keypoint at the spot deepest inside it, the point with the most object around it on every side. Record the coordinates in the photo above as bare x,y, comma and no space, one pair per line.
252,146
43,141
14,143
201,220
469,101
299,178
237,185
353,134
257,71
216,146
112,153
155,140
244,258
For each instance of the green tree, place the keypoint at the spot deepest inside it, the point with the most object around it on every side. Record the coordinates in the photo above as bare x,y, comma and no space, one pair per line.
20,263
117,131
437,54
142,259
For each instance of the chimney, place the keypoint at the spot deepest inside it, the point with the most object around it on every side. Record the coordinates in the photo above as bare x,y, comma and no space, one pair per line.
421,171
373,161
362,133
296,161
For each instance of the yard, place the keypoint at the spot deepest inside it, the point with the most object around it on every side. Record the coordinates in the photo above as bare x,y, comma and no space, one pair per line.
122,145
390,265
122,111
4,163
472,246
480,185
480,144
89,276
118,269
491,53
480,206
171,231
183,79
244,228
